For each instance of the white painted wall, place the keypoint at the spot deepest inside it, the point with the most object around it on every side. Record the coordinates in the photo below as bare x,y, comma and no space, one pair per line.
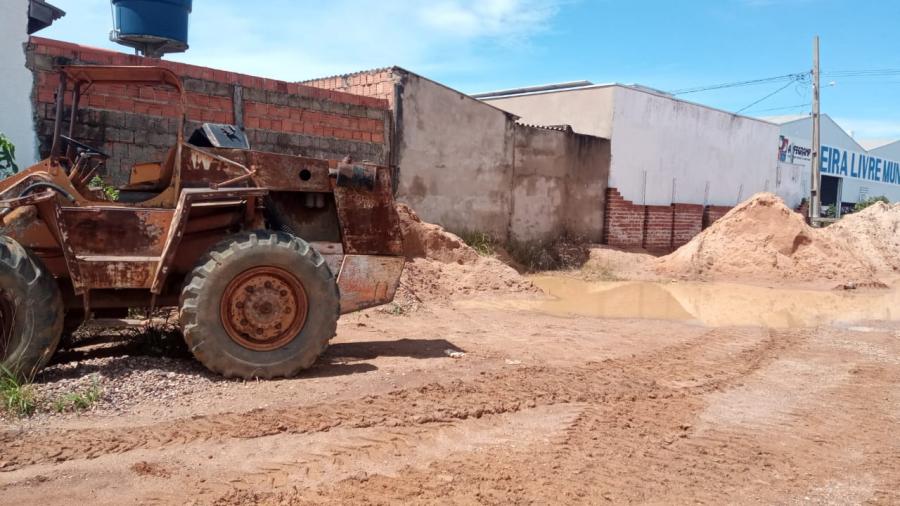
800,132
890,151
659,142
666,151
16,119
588,110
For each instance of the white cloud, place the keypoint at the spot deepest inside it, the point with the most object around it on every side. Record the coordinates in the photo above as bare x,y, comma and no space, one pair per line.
489,18
296,40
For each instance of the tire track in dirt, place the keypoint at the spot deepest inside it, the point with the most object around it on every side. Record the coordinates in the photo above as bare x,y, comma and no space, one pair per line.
507,390
619,442
276,462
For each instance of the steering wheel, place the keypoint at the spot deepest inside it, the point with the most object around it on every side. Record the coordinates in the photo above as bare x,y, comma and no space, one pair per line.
84,147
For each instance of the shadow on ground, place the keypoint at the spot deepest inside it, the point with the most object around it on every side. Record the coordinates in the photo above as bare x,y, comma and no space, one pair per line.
126,352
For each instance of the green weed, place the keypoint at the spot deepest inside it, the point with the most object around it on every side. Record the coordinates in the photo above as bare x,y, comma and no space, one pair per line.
79,401
17,397
481,242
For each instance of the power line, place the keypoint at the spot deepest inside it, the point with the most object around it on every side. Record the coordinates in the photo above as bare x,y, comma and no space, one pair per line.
752,82
785,108
779,90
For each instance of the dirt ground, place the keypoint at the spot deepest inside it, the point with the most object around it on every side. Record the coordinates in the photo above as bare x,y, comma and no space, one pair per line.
475,388
487,406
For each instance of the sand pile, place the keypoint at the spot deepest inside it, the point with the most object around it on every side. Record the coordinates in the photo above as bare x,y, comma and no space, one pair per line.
873,234
764,240
441,265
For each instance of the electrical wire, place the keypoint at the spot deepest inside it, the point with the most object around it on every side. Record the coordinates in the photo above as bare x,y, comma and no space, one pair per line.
785,108
779,90
738,84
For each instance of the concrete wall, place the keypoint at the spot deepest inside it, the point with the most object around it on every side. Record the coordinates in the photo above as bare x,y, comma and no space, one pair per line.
455,156
15,92
138,124
469,166
659,142
559,184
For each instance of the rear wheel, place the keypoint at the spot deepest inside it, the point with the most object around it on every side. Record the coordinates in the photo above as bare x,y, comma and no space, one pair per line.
31,311
260,305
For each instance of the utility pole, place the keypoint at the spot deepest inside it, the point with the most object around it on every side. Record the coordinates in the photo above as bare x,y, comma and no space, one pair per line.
815,180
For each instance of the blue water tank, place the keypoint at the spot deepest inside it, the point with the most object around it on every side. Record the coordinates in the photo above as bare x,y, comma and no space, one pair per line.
154,27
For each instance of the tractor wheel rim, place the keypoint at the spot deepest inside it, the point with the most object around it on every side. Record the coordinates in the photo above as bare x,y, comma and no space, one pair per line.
264,308
7,321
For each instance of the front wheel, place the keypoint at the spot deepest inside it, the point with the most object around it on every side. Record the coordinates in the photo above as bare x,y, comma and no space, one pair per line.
31,311
260,305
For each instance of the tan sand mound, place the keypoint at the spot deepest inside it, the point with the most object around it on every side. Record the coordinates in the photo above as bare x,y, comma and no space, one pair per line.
425,240
442,266
873,234
763,240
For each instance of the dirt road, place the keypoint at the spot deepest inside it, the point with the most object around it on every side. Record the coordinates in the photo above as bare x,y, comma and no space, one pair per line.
537,409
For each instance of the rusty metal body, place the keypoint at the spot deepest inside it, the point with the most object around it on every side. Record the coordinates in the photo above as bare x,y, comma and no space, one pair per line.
135,252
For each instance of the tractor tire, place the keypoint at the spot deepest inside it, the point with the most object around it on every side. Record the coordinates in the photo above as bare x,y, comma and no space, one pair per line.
259,305
31,311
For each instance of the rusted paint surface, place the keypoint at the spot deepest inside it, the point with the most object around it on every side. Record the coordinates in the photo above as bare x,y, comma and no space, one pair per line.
264,308
332,252
369,220
144,173
116,230
117,272
199,169
290,173
180,218
368,281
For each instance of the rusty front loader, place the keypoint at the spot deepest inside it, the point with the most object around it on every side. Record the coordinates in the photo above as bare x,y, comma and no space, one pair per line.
261,252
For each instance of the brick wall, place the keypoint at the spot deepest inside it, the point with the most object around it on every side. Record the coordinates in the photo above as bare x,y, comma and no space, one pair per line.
623,222
658,229
713,213
138,124
377,83
687,221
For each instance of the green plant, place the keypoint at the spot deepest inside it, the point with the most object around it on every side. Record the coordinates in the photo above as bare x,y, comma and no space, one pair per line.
862,204
79,401
481,242
18,397
566,252
8,165
109,191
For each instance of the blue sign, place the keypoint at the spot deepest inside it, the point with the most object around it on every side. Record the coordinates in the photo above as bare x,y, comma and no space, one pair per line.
840,162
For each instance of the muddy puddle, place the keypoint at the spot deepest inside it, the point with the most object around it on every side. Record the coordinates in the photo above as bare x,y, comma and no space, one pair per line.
710,304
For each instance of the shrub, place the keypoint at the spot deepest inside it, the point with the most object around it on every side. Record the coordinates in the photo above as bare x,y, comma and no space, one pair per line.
8,165
564,253
17,397
481,242
862,204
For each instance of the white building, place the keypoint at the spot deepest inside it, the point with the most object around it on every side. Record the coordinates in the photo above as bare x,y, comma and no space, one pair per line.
850,172
20,18
664,150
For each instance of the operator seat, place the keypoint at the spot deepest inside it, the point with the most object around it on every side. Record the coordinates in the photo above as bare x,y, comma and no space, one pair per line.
148,179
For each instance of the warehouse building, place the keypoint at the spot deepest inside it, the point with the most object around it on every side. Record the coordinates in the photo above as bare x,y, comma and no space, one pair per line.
850,172
675,165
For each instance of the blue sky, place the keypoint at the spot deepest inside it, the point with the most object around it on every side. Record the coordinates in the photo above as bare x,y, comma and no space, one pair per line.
482,45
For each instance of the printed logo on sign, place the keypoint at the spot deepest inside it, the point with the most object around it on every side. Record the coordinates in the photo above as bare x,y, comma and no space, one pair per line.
789,152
